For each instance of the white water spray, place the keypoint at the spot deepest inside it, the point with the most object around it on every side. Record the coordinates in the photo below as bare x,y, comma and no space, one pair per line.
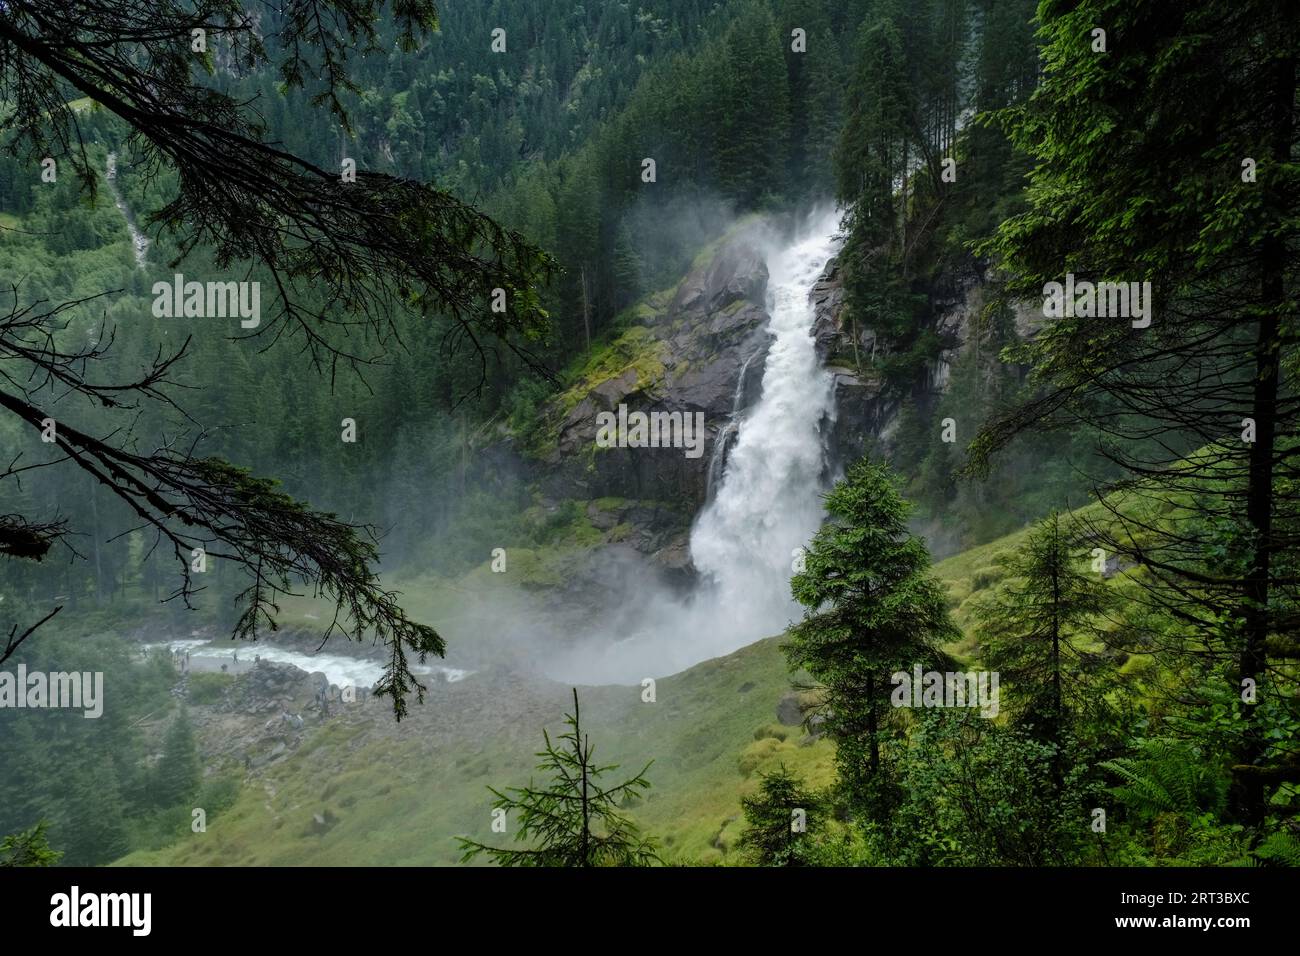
767,505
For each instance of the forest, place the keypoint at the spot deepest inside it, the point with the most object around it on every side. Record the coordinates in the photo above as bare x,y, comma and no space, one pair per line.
984,553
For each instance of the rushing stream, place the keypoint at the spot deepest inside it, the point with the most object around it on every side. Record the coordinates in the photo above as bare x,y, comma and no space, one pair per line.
139,241
339,669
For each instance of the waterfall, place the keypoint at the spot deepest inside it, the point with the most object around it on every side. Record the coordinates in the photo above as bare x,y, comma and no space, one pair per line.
767,504
139,241
720,444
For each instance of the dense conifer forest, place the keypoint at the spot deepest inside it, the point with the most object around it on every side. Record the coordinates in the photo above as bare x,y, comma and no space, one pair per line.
990,555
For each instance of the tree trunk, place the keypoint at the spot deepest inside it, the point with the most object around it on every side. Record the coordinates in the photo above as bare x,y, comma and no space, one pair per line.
99,564
1057,706
1248,791
873,731
586,310
586,810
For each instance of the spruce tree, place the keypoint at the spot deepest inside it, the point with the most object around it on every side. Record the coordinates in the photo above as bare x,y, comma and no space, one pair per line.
872,609
779,820
871,158
28,848
1163,135
573,819
92,824
179,770
1035,627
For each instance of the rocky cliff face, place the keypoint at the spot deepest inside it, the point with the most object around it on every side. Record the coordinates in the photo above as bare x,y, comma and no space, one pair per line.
863,413
867,415
699,350
702,348
689,358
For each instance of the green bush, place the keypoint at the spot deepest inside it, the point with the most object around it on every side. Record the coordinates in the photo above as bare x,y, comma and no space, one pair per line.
218,795
209,688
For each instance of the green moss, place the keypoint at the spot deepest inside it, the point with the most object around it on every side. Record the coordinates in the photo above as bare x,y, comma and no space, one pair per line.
620,532
705,255
637,314
637,349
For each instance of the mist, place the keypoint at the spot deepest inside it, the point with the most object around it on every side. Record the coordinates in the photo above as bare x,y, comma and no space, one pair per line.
767,505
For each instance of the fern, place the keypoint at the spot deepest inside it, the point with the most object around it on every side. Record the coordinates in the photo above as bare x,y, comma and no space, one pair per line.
1166,776
1279,849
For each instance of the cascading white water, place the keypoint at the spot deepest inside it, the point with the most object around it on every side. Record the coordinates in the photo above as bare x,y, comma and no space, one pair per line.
769,501
767,505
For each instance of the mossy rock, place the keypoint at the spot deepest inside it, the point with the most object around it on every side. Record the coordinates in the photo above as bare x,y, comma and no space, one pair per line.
1137,665
620,533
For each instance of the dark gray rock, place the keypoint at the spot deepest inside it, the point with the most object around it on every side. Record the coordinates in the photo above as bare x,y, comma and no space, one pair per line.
709,342
788,711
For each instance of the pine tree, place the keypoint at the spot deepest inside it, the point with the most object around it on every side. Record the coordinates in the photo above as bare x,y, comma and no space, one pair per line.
1034,627
779,820
573,820
179,769
872,610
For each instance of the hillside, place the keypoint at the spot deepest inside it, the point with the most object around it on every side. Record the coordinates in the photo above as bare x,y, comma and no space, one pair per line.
400,794
378,379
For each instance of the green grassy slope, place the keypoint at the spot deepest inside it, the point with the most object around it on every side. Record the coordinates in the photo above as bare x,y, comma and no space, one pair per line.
401,794
399,800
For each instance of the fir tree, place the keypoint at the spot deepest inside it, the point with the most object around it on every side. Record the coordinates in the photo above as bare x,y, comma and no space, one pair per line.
872,609
779,820
572,820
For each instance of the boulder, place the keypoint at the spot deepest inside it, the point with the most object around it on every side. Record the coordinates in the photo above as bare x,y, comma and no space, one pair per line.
788,711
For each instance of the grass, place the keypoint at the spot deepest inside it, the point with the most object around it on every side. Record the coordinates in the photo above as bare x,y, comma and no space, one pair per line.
398,801
399,796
